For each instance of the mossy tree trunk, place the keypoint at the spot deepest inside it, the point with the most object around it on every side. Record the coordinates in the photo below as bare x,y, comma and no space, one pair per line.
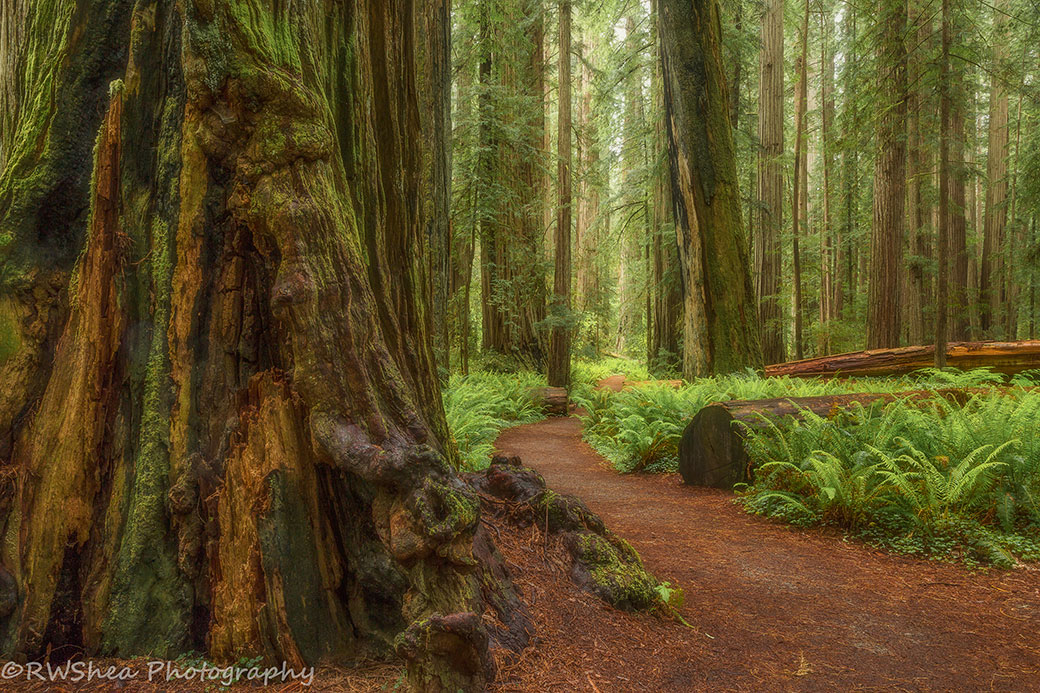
664,356
720,333
220,428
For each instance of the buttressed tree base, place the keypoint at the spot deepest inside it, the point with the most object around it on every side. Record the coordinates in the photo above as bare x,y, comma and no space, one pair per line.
219,428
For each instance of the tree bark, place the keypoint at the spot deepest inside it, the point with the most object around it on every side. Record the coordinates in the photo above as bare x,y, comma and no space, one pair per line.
992,269
665,356
560,349
719,334
886,243
222,418
768,257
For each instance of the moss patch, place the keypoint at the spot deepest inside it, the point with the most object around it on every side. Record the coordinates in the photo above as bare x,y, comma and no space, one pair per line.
10,337
610,568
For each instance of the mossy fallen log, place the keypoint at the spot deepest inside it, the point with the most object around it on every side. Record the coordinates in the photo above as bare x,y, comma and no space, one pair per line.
1002,357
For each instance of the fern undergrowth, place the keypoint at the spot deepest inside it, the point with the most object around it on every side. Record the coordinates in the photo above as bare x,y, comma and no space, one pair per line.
481,405
943,481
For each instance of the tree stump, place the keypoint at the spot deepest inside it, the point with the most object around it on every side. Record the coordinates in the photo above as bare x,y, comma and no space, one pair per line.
553,401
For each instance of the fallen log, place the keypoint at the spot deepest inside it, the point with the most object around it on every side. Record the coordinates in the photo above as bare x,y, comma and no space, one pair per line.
1002,357
617,383
713,449
552,401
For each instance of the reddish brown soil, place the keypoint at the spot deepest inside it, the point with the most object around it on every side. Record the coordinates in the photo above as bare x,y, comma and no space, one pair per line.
774,608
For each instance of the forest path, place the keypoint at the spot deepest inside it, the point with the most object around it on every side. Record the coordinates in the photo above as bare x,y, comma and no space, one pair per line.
781,608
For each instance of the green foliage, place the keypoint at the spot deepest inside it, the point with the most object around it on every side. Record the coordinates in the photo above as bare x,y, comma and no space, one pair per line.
479,406
938,480
639,429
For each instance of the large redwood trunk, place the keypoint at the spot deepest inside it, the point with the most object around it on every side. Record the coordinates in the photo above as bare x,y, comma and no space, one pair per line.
886,240
719,331
220,427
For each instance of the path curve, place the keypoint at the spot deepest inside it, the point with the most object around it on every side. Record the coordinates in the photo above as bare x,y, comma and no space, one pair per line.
831,614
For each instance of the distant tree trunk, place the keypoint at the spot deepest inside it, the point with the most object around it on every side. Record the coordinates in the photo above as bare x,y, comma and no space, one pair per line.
560,349
221,421
1017,237
919,282
943,251
588,226
665,358
513,287
800,172
633,227
433,38
972,191
847,250
768,256
492,324
886,246
831,257
719,333
960,306
991,277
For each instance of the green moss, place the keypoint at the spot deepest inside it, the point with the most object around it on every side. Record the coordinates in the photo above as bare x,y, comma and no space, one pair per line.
149,603
445,511
10,337
616,572
269,35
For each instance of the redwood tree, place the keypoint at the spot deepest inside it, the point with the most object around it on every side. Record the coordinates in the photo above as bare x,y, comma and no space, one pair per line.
220,428
560,342
768,258
886,243
720,334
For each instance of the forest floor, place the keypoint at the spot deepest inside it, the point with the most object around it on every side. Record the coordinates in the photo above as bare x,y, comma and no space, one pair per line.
773,607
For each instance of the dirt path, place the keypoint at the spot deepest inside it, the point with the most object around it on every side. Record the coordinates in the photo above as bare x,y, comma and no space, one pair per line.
775,608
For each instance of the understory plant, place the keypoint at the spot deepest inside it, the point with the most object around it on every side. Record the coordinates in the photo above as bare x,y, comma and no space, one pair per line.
933,479
639,429
480,405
